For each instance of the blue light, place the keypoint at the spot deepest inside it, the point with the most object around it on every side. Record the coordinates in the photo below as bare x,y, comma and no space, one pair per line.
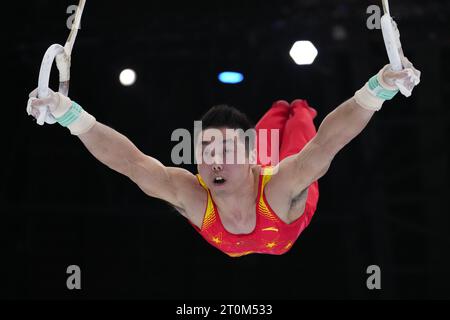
231,77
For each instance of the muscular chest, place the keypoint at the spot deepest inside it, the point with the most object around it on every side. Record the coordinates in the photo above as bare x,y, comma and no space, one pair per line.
288,210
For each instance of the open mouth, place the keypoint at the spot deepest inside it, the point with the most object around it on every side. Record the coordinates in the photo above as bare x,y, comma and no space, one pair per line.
219,180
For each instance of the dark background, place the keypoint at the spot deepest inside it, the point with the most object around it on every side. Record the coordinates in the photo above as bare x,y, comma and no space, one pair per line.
383,202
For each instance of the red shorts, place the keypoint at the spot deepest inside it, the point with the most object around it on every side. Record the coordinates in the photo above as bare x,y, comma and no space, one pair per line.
295,122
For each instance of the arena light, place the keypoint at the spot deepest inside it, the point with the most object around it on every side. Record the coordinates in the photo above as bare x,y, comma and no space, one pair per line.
231,77
127,77
303,52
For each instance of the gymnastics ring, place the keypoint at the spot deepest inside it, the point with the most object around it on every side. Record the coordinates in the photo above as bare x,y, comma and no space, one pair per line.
63,60
391,36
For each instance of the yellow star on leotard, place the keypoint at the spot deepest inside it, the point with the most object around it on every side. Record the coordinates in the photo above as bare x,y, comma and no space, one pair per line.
216,240
270,245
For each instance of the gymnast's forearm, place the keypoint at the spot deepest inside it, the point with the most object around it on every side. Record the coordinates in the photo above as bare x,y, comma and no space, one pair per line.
111,148
106,144
350,118
342,125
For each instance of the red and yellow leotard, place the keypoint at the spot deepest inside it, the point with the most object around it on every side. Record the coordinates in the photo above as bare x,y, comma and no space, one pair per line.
270,236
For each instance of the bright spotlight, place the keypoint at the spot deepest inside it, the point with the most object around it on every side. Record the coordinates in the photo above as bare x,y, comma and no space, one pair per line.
303,52
127,77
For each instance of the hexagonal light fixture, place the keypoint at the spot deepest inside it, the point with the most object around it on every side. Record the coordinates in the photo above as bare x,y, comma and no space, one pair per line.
303,52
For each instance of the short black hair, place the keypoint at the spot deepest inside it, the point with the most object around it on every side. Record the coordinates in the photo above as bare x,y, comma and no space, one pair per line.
226,116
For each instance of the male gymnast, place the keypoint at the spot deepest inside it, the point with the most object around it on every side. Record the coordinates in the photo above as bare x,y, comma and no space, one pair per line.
252,206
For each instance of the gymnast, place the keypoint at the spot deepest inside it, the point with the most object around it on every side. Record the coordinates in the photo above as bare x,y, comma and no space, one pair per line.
240,207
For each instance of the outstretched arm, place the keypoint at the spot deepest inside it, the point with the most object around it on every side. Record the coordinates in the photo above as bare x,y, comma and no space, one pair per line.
117,152
339,128
111,148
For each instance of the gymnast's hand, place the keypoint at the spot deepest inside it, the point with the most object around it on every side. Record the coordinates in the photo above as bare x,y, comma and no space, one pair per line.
57,103
404,80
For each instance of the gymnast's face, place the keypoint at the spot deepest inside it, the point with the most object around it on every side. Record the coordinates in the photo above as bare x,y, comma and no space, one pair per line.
223,161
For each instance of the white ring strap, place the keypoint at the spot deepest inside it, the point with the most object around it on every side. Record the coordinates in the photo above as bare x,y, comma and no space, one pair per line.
63,60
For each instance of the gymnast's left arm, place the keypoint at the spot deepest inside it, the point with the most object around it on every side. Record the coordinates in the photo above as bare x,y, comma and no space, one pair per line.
343,124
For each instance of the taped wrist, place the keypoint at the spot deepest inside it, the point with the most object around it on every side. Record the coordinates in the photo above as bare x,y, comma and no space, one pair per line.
375,92
75,118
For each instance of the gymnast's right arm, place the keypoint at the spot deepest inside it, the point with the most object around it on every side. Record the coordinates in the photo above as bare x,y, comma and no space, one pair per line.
117,152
